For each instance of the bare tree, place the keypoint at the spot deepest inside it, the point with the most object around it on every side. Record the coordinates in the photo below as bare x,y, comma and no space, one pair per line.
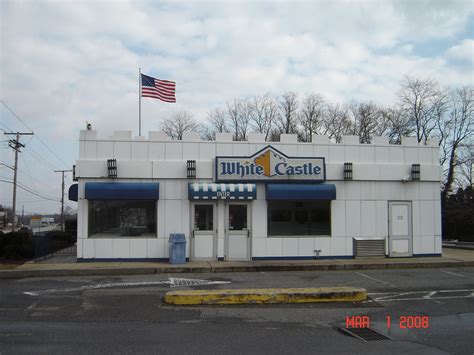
239,118
216,122
179,123
461,128
286,121
263,111
422,101
311,116
398,124
366,119
465,169
336,122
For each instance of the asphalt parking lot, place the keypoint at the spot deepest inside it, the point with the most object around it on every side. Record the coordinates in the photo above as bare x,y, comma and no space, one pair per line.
126,314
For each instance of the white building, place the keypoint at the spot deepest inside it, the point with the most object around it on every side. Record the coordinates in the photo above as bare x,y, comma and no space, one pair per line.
256,200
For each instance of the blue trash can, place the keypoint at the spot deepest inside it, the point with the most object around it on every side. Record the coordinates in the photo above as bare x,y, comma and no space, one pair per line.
177,248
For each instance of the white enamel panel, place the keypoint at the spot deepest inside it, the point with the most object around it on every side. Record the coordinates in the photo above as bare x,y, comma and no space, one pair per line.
306,247
140,150
90,150
290,246
274,247
138,248
174,151
367,154
105,149
368,218
103,248
122,150
353,220
121,248
338,218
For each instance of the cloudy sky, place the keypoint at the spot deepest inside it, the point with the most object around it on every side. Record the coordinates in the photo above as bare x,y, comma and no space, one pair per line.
63,63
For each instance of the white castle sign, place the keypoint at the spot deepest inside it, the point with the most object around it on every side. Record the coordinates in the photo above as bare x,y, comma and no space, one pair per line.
269,164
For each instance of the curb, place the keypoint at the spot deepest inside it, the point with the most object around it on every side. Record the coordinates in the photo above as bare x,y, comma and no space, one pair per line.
266,296
463,247
18,274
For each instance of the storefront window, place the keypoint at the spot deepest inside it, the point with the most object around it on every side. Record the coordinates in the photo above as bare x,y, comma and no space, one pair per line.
287,218
122,218
203,217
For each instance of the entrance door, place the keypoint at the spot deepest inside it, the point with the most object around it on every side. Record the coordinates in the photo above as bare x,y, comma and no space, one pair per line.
237,243
400,229
203,226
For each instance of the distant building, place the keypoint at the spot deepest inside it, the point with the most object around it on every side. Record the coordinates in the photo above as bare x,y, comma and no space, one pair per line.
3,219
256,200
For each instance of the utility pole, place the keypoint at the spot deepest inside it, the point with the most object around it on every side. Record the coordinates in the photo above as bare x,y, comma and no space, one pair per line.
62,197
16,145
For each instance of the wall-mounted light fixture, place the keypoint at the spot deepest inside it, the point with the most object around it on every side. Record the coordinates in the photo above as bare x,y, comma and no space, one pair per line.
415,171
112,168
74,178
191,169
347,171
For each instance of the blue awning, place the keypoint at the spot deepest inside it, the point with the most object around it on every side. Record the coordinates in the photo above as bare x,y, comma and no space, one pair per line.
72,192
205,191
301,192
122,191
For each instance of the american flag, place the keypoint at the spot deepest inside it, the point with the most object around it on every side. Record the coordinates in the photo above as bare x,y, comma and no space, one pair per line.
163,90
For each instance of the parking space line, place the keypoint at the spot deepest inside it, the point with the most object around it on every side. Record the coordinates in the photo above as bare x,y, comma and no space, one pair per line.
432,295
374,279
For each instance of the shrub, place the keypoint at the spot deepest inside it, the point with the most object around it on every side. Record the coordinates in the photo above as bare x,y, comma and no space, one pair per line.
17,245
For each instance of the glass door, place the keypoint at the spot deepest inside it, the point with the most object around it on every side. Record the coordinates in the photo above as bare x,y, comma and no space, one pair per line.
237,231
203,231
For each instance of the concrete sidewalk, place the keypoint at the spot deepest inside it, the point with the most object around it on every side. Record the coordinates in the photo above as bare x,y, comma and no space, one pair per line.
451,258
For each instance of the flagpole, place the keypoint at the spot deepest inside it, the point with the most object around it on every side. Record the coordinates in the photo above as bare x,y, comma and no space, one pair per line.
139,101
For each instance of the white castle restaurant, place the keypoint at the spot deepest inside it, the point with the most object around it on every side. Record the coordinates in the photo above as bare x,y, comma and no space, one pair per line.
255,200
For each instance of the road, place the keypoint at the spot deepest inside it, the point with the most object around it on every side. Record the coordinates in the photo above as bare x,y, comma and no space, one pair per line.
126,314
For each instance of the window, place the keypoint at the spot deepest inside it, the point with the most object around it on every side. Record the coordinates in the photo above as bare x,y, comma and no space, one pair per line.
122,218
203,217
237,217
286,218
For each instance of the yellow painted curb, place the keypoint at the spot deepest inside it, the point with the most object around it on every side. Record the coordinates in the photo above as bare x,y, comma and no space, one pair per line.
266,295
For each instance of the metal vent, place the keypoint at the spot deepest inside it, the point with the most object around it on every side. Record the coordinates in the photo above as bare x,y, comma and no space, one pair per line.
112,168
364,334
369,247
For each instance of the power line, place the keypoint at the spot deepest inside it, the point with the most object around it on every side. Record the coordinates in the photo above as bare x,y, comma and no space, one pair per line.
41,159
31,191
27,166
4,125
39,138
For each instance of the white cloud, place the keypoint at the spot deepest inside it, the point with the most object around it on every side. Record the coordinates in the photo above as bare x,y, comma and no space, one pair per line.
463,51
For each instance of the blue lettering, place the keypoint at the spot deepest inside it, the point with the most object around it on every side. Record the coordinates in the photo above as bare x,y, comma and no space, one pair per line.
317,170
227,168
259,170
277,168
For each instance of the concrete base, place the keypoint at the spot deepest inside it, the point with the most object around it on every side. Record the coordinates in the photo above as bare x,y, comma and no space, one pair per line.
266,295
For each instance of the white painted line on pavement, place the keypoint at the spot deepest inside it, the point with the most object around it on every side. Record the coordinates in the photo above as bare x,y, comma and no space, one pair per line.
430,294
172,281
374,279
420,295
